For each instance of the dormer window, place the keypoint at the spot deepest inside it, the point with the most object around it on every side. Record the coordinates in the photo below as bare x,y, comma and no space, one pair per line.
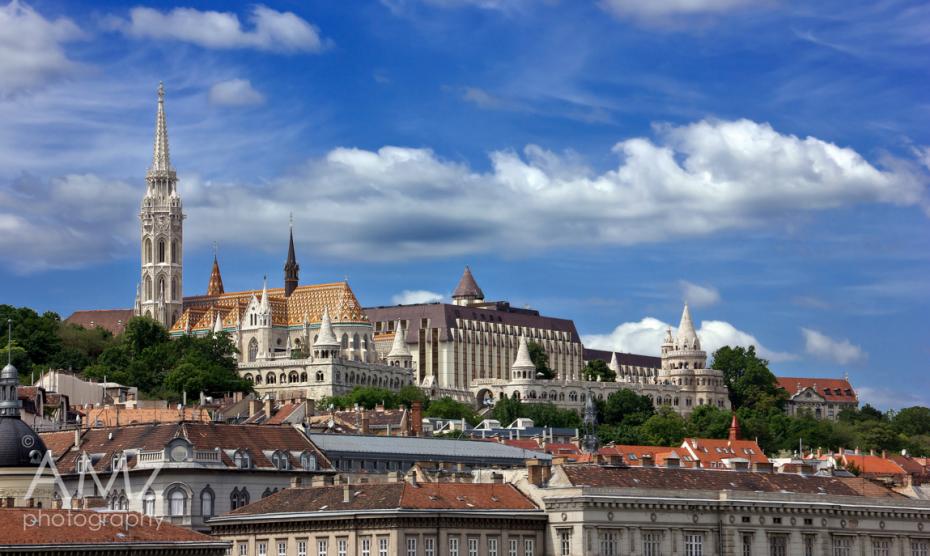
118,462
308,461
242,459
280,460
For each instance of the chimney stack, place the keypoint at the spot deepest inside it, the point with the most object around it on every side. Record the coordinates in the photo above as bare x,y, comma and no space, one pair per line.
253,407
267,407
346,493
416,416
366,420
537,472
734,429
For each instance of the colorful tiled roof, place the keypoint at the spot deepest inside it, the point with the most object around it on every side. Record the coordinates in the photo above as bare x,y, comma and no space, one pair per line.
831,389
306,302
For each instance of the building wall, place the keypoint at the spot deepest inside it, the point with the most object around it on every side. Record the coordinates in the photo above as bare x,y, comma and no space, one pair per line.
323,377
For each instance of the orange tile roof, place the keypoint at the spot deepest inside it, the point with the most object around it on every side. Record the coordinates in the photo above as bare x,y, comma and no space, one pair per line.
113,320
525,443
831,389
872,465
67,528
305,302
712,451
562,448
112,416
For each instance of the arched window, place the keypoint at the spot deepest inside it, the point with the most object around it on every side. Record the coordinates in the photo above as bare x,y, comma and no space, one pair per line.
258,378
269,378
242,460
161,288
161,250
248,376
123,501
174,251
177,502
283,378
148,502
345,341
206,502
303,377
293,377
319,376
148,288
147,250
280,461
356,342
253,349
238,498
308,461
174,288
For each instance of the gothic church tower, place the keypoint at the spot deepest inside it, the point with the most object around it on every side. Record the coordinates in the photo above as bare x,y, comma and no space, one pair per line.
160,294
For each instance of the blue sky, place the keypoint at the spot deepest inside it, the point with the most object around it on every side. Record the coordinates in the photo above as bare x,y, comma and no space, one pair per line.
600,161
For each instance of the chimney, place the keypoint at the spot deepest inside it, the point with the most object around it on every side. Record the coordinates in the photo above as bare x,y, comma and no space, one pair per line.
366,420
311,407
537,472
267,407
734,429
416,416
884,454
253,407
346,493
77,437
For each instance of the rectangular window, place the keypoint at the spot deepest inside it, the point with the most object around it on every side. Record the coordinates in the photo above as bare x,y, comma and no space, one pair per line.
243,548
382,546
609,543
651,543
809,541
514,547
366,546
429,546
472,546
262,548
881,547
694,544
747,543
920,547
842,546
778,545
411,546
529,547
282,548
492,546
565,542
453,546
342,546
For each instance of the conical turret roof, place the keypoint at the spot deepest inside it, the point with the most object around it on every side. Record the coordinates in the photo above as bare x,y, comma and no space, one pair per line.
467,288
523,360
215,287
326,337
399,348
686,334
614,365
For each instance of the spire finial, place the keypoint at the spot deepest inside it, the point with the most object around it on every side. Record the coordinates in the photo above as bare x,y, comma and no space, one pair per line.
161,159
9,341
214,250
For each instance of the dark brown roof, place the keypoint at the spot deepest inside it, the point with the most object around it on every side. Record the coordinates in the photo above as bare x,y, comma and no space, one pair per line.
39,526
630,359
113,320
204,436
704,479
443,315
389,496
467,287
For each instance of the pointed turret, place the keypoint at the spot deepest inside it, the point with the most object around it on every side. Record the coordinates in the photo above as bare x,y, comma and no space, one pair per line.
400,355
614,365
326,337
161,158
9,380
264,304
218,324
291,268
215,287
523,366
687,337
467,291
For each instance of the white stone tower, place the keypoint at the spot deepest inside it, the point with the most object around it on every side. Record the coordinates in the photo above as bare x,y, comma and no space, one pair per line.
160,294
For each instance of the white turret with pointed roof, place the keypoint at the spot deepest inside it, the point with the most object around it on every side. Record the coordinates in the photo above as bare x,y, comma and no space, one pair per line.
614,365
400,355
523,367
326,342
687,337
161,218
218,324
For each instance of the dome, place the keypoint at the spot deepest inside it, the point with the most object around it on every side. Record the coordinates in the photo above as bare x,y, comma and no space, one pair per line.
9,372
20,446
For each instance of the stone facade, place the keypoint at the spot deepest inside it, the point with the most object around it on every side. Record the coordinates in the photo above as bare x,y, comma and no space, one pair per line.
822,398
682,381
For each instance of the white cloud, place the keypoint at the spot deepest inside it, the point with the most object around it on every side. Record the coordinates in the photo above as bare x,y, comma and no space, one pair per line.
663,10
235,92
415,297
824,347
887,398
271,30
31,48
646,336
699,296
402,203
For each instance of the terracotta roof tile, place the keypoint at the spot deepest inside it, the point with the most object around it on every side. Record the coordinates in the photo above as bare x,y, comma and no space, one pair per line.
108,528
831,389
873,465
712,451
113,320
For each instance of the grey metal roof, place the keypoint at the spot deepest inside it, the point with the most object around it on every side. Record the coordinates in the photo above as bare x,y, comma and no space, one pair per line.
424,448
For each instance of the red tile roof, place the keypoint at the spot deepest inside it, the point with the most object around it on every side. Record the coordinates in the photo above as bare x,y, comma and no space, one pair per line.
831,389
113,320
712,451
524,443
388,496
872,465
562,448
35,526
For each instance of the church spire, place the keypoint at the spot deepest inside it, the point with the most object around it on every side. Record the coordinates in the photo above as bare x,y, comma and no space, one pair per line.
215,287
291,268
161,159
687,337
467,291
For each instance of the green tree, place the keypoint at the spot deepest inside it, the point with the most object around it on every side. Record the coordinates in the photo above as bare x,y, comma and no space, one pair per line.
541,360
80,346
411,393
447,408
626,407
548,415
749,379
36,334
709,421
665,428
912,421
860,415
879,435
507,410
598,370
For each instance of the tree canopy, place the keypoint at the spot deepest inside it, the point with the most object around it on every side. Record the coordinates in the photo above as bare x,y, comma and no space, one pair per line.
541,360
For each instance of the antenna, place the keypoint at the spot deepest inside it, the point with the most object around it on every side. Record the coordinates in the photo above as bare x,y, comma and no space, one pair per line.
9,341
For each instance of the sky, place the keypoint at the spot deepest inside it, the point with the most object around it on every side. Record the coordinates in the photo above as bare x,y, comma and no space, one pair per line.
603,161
